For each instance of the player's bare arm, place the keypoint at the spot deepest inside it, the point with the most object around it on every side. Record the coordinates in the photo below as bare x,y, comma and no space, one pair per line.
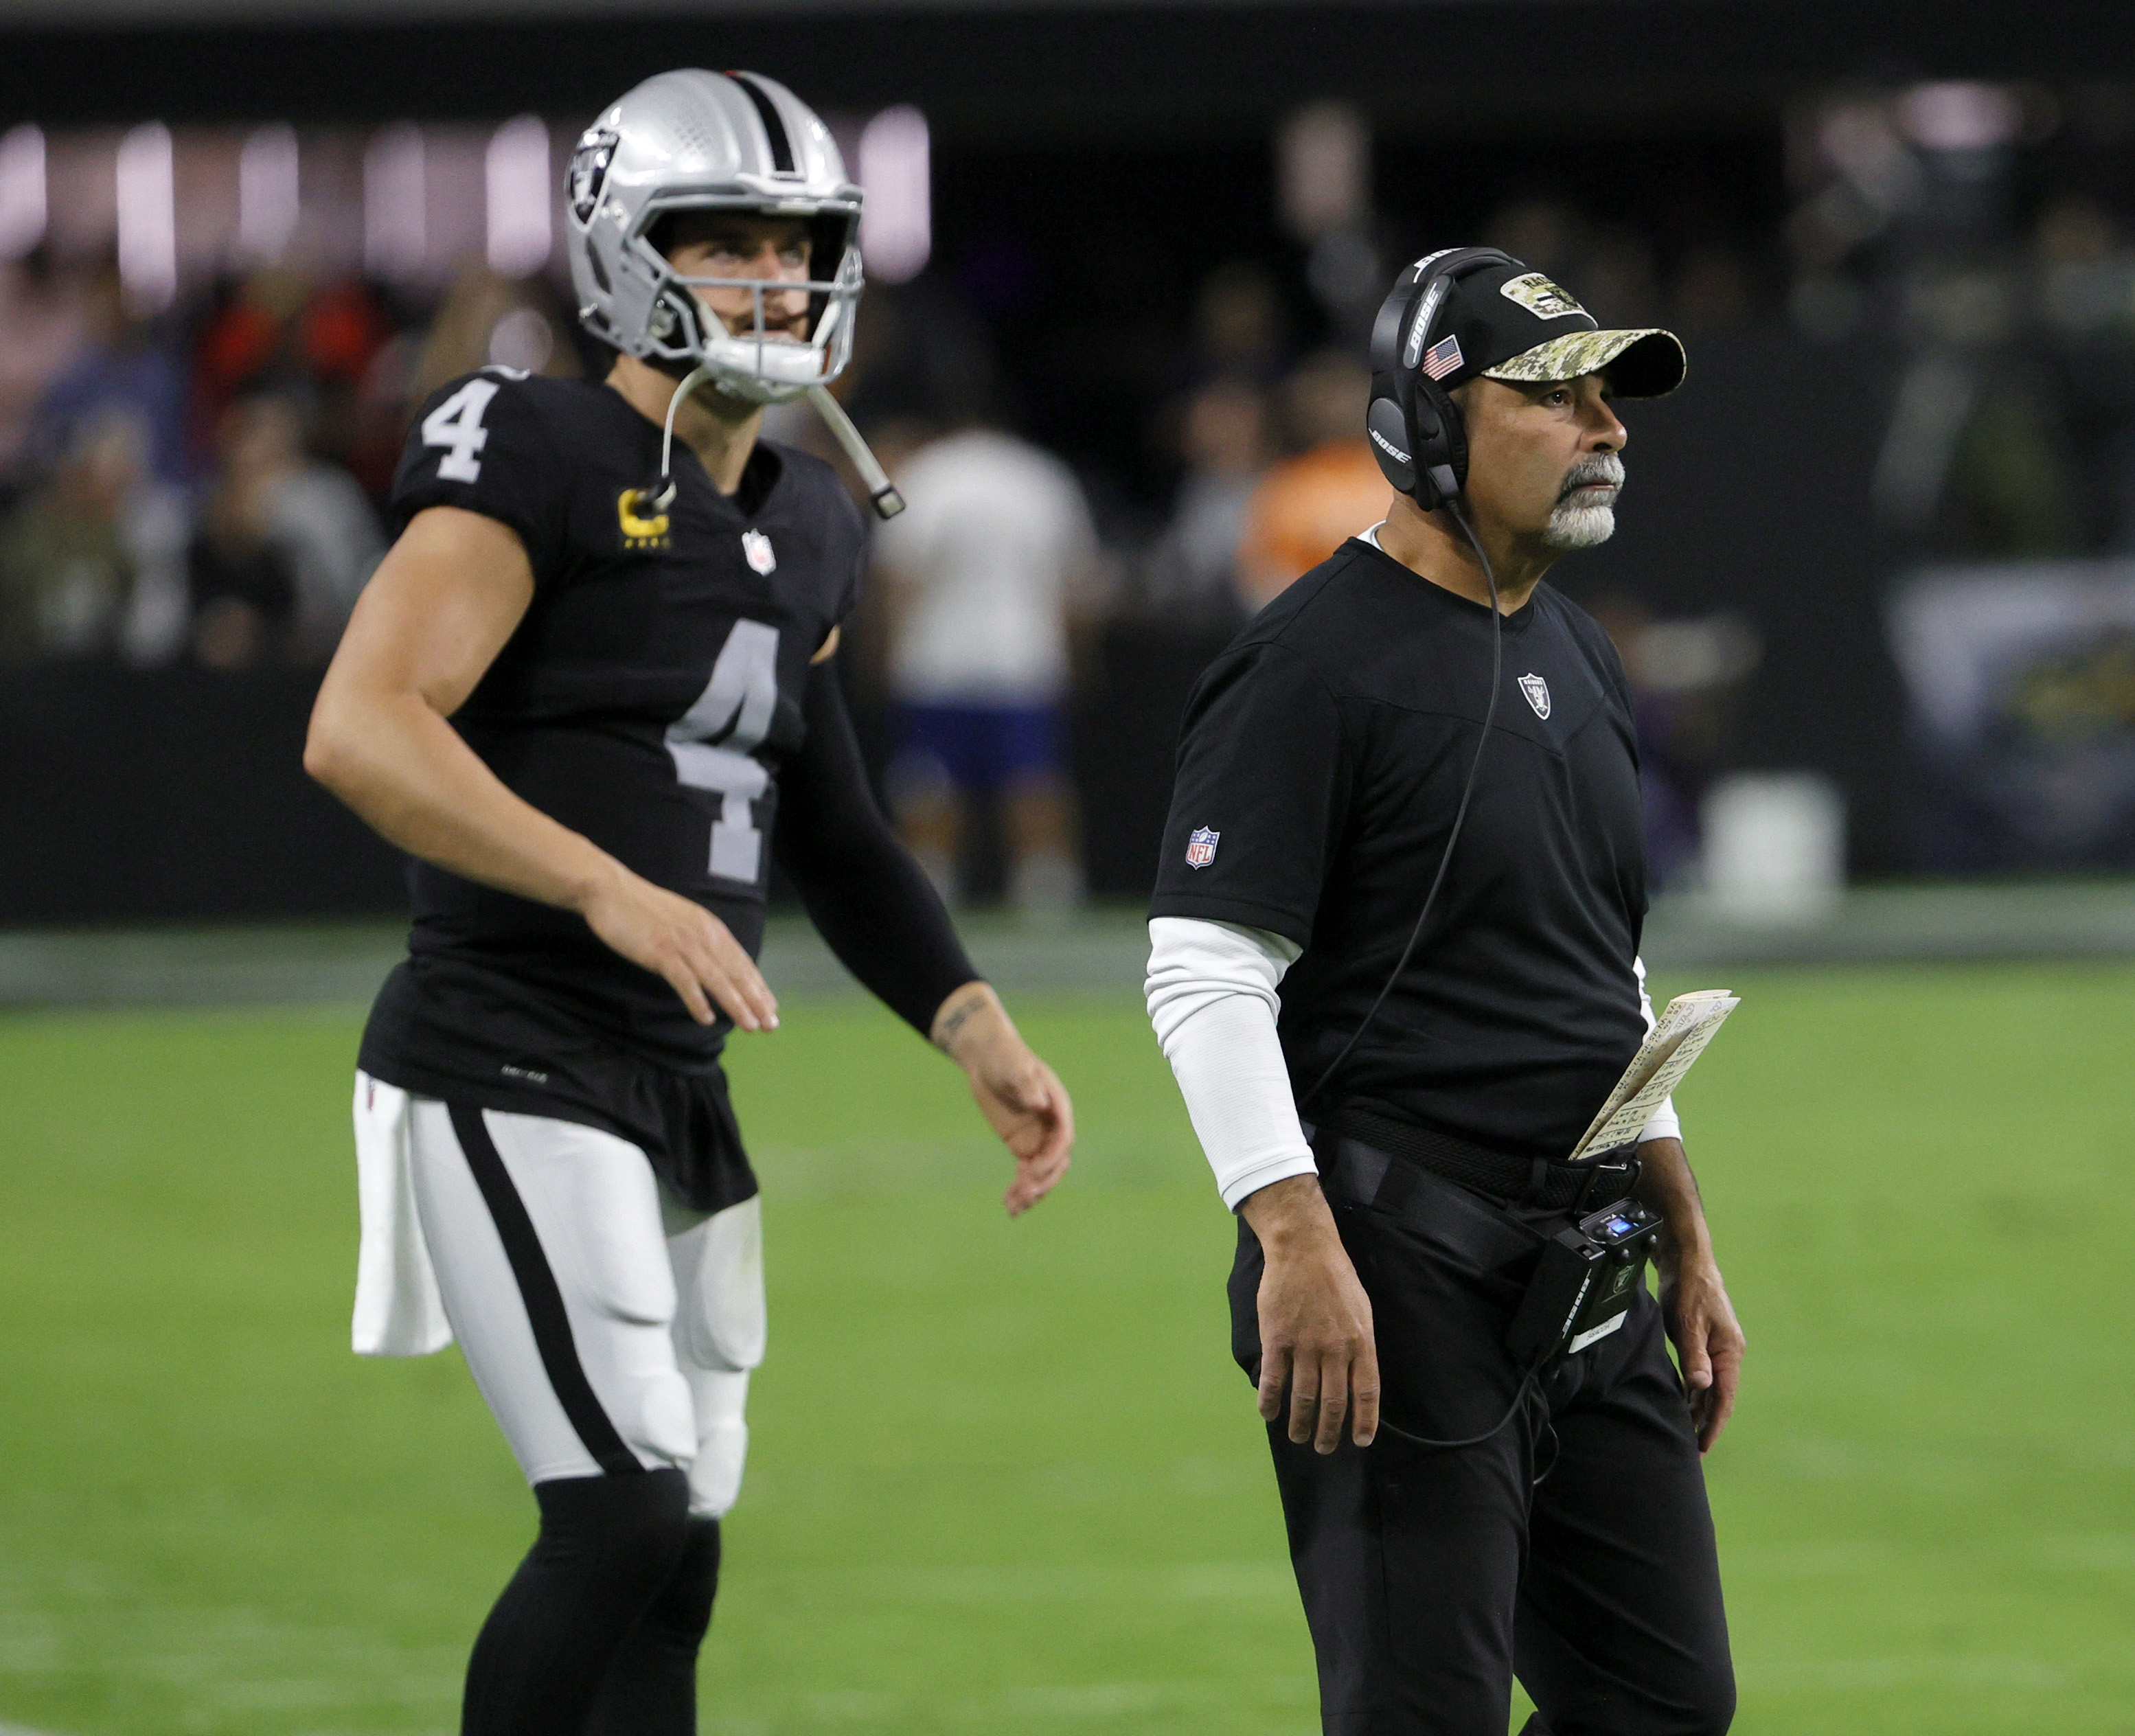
1022,1099
1316,1337
441,605
1694,1301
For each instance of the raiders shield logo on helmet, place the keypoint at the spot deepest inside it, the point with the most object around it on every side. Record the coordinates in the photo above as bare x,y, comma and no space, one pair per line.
1538,692
1201,847
589,170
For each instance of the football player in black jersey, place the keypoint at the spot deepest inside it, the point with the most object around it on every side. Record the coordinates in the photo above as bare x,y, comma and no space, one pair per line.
592,673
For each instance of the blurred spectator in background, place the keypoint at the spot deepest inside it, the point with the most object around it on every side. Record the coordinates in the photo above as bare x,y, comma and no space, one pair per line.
285,543
121,365
280,327
1617,275
1712,290
92,558
1545,232
40,330
1191,574
1303,509
1687,677
2086,295
513,323
993,554
1238,326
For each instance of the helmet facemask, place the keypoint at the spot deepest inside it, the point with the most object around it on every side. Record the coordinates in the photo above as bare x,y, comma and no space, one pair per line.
761,363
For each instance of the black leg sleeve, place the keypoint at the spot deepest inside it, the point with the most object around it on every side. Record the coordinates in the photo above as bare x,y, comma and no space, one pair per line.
652,1685
869,900
608,1547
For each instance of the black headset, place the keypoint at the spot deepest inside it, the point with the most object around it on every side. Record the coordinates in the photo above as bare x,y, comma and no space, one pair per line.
1414,426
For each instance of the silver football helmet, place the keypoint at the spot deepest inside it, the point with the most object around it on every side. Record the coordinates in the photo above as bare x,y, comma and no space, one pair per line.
691,140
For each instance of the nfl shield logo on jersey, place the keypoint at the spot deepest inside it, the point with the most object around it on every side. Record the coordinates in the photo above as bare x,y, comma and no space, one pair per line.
757,546
1538,692
1201,847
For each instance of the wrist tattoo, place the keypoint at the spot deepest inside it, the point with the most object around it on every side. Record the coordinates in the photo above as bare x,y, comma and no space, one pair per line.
958,1016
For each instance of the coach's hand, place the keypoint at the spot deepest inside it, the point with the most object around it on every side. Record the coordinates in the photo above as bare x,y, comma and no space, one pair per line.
678,939
1708,1339
1022,1099
1694,1303
1315,1319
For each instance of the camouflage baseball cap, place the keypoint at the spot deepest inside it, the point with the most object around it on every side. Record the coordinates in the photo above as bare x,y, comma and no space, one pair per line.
1508,322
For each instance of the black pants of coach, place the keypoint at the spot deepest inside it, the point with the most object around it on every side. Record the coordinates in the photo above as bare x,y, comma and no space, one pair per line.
1574,1549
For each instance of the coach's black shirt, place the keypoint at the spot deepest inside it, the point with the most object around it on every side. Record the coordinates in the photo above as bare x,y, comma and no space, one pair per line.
649,699
1325,750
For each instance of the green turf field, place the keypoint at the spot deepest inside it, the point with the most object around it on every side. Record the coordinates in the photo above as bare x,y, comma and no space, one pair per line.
1003,1475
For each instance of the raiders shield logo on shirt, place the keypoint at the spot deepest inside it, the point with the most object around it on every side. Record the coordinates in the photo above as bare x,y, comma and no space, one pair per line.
1201,847
757,546
1538,692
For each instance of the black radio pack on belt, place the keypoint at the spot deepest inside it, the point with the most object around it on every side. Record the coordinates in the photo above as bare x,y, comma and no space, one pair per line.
1583,1287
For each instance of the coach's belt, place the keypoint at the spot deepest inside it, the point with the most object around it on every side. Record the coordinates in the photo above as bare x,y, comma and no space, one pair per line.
1516,1180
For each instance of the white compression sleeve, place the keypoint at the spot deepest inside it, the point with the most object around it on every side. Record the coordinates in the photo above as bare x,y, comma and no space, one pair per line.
1212,996
1665,1123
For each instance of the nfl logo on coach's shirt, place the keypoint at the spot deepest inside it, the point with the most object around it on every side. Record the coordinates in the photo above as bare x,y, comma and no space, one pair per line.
1201,847
757,546
1538,692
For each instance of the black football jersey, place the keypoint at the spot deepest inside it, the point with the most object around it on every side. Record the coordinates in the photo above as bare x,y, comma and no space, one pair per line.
1320,767
648,700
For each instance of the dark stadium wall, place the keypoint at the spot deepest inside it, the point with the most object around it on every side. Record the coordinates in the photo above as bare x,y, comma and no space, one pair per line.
172,795
1058,69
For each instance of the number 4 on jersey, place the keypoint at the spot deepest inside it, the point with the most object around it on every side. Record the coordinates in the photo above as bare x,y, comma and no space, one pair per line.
456,425
735,710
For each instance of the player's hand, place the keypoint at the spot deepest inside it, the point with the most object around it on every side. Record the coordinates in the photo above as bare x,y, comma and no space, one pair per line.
1708,1339
1316,1335
1022,1099
680,940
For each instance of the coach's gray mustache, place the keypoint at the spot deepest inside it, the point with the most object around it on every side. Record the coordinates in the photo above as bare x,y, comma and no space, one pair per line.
1604,469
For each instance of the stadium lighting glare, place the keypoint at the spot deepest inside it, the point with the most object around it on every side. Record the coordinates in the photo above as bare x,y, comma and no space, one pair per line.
520,192
21,189
1955,116
1324,170
897,228
266,191
148,219
396,237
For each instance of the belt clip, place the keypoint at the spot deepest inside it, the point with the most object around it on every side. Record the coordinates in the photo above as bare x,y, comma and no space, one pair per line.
1629,1168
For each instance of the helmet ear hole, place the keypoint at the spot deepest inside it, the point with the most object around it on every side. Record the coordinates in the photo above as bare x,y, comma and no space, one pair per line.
662,322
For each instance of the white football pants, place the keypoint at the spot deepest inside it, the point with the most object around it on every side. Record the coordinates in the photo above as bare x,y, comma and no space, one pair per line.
603,1322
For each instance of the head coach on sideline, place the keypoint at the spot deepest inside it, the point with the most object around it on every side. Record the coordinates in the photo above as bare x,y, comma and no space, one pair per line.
1395,968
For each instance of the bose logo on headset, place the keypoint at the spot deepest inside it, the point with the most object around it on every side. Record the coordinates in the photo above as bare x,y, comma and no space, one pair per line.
1380,440
1421,329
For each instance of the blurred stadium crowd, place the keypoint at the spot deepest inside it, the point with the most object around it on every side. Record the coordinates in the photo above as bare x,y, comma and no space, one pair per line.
1111,415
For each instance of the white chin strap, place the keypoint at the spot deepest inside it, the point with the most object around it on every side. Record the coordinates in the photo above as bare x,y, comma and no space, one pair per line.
881,493
662,495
